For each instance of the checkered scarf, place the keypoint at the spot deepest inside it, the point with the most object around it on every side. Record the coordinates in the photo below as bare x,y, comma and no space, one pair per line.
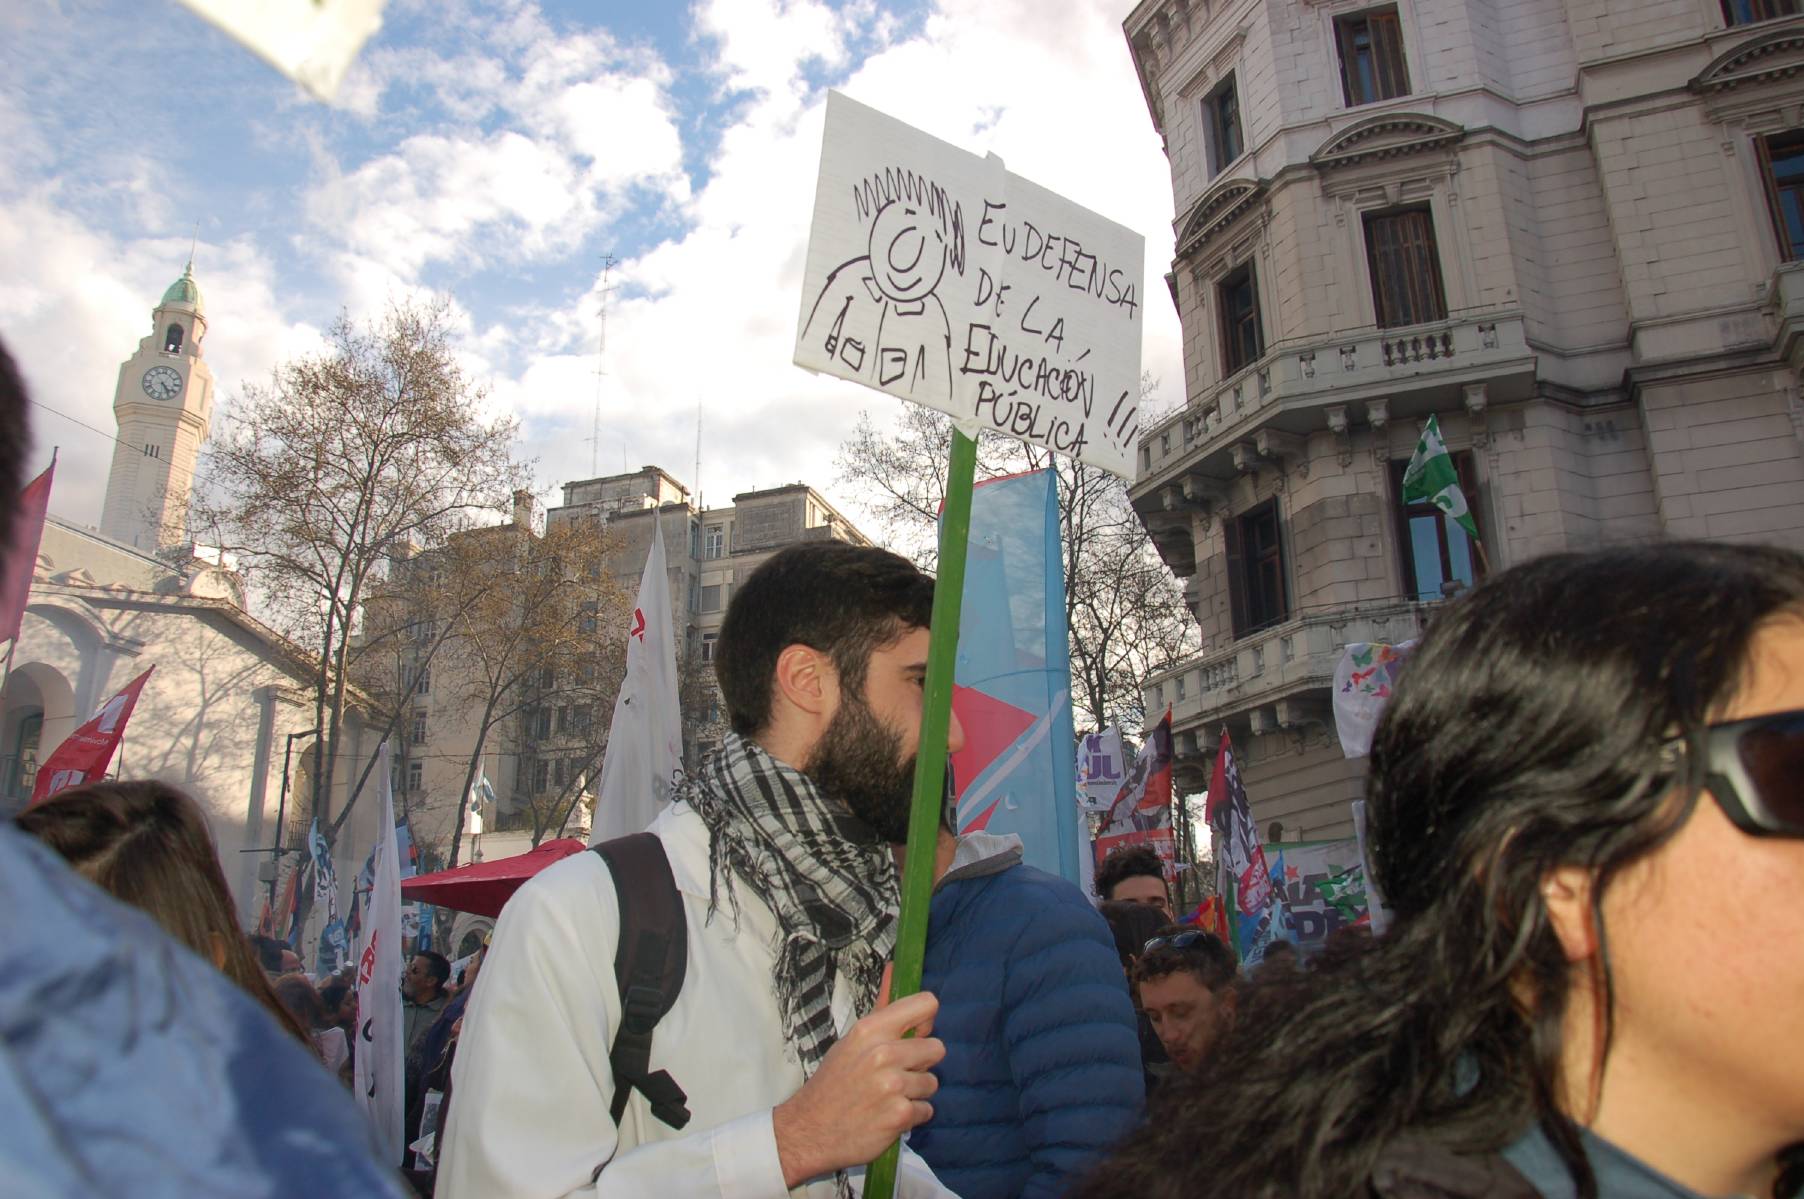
826,874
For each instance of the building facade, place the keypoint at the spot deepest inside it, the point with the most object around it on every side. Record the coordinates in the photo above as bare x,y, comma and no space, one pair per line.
227,713
1568,229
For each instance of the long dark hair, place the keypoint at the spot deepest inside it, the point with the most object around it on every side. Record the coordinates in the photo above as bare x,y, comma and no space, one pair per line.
1530,730
147,844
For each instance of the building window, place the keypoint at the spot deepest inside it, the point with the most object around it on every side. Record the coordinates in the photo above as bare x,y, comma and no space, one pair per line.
1782,167
1371,56
538,722
417,735
172,340
559,773
1256,569
714,541
708,640
1221,123
1406,268
422,684
1438,558
541,776
151,451
416,776
1178,684
695,539
581,718
426,630
695,593
586,620
1747,12
711,598
1241,339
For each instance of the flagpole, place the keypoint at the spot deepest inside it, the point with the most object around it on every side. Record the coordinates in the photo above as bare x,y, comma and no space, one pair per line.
930,756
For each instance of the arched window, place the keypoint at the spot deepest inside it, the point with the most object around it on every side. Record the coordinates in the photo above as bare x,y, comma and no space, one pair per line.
172,340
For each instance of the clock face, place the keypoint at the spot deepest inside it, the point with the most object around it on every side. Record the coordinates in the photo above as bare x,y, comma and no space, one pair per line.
162,383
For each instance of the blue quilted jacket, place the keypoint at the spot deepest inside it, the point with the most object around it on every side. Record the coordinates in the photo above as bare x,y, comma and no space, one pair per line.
1042,1070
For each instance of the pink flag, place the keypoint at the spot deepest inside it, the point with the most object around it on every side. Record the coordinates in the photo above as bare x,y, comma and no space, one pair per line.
21,553
87,752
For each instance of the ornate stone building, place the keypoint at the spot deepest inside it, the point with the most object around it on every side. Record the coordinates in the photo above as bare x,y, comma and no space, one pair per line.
1569,229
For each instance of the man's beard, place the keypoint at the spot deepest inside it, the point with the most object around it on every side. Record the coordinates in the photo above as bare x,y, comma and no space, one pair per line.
858,761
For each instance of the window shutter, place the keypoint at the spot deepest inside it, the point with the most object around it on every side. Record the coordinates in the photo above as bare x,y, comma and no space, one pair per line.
1236,561
1387,55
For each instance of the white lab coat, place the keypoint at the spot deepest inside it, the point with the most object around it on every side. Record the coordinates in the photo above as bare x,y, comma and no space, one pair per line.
531,1083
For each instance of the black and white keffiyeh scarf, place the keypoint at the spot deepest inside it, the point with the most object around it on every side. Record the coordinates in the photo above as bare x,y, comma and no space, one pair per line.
827,876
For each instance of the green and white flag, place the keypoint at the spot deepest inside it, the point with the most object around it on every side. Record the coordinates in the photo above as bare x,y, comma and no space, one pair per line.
1431,477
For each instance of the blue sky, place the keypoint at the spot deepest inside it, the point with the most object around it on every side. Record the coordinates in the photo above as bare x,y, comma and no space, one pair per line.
493,151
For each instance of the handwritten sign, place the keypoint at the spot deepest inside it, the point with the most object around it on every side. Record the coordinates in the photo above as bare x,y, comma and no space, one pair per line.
939,277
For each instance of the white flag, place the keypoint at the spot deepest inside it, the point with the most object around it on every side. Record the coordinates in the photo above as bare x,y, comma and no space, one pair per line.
645,740
380,1054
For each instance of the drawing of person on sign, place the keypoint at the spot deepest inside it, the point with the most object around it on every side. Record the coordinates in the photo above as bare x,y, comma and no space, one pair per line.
878,313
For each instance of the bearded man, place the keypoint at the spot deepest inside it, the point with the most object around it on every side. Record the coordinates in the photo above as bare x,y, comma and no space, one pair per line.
779,847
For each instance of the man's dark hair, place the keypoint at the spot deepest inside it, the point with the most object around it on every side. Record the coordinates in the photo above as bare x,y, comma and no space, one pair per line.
269,952
1133,924
438,965
1203,954
842,600
333,995
15,443
1130,861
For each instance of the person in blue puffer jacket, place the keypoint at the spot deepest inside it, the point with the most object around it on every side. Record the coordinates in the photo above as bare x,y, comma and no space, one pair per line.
1042,1070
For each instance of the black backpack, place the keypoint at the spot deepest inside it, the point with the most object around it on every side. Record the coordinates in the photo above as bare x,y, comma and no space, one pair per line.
649,964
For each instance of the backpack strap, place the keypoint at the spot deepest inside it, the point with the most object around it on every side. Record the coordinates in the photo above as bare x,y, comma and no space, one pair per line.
649,963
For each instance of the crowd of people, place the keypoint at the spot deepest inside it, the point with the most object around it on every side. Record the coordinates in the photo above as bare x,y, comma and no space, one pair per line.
1587,783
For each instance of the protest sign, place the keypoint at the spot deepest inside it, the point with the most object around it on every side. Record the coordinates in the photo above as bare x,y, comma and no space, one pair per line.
941,278
1363,680
1323,886
1140,813
1101,769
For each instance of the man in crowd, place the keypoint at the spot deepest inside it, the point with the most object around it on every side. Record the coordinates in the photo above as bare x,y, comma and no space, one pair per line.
423,994
787,1079
1186,981
275,957
1134,874
1042,1075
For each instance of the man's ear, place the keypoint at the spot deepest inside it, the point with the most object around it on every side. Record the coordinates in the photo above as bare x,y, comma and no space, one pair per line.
1567,893
806,680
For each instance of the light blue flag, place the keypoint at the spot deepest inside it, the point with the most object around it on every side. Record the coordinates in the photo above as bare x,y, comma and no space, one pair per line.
1018,772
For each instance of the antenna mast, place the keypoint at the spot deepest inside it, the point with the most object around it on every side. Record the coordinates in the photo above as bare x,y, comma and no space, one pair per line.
608,262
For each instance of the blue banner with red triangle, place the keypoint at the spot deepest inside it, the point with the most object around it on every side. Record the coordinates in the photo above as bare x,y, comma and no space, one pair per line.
1012,686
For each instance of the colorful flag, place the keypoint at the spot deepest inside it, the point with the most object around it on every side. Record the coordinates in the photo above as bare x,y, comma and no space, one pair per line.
1346,893
1431,477
645,739
19,556
1259,910
87,752
380,1054
1363,681
1141,812
1012,684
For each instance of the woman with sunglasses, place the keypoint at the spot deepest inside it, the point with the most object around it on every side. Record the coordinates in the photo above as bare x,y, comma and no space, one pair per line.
1587,815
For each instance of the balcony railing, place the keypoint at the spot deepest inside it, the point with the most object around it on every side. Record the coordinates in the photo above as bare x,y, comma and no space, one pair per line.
1290,385
1282,662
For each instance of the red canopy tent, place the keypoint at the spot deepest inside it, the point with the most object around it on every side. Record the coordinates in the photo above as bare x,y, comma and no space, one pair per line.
482,887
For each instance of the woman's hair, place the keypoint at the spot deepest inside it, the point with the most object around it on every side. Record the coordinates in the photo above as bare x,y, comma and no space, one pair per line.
147,844
1529,731
300,1000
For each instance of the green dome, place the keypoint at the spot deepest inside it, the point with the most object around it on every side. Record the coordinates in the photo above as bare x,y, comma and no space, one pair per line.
184,290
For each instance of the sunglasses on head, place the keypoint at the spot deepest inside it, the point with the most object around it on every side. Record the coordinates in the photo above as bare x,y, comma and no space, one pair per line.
1176,940
1755,769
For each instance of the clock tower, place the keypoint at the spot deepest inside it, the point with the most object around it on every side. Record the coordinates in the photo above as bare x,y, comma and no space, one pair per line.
164,407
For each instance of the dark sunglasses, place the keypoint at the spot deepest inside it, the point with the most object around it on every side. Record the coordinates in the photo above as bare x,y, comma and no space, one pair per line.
1176,940
1755,769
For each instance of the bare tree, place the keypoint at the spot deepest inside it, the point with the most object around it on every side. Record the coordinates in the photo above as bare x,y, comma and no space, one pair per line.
535,639
1125,613
345,457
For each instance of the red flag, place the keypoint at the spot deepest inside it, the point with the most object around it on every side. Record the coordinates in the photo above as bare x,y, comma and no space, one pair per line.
88,751
21,553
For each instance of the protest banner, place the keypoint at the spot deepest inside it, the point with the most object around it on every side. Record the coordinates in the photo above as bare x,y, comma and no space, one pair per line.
935,276
941,278
1013,680
1140,813
379,1053
85,754
1256,905
1363,680
1323,886
645,737
1101,769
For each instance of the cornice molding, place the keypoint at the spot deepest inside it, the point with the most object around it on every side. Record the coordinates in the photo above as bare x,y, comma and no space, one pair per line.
1218,208
1778,54
1390,135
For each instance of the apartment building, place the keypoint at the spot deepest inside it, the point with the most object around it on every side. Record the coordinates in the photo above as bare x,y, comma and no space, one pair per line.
1571,230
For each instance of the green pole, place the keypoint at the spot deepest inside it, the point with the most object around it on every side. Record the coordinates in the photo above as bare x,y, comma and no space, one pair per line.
930,757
